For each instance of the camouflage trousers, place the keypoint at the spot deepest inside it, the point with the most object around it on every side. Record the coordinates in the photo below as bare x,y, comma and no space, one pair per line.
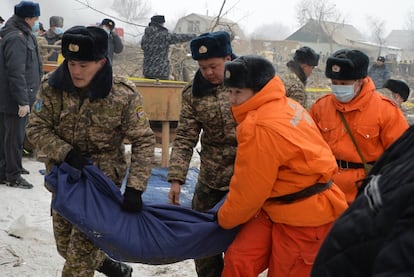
204,199
81,256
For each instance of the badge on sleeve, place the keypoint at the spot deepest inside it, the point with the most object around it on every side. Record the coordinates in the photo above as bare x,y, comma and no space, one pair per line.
140,114
38,105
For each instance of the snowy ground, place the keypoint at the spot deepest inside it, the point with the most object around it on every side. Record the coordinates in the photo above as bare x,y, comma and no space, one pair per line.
27,246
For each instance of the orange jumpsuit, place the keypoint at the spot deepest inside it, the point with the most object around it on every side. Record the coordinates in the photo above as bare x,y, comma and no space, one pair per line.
280,151
375,122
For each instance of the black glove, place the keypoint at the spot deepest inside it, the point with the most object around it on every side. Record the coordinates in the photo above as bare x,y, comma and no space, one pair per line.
132,200
76,160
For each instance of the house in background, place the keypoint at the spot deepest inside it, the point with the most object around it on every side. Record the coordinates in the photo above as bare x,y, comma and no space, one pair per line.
327,37
197,23
402,39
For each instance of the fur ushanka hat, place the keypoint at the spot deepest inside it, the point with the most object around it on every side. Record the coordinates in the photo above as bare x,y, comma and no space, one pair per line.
250,71
306,55
82,43
347,64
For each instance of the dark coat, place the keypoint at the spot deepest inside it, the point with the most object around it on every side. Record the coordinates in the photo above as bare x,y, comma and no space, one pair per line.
20,66
155,43
375,236
115,45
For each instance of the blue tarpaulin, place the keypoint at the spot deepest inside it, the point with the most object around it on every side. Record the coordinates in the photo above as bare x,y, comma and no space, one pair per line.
159,234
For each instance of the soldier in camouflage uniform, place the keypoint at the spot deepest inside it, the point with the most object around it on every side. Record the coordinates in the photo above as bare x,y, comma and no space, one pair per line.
299,70
84,113
155,43
205,112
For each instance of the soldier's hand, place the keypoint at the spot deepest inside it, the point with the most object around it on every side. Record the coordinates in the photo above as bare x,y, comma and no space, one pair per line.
23,110
174,195
132,200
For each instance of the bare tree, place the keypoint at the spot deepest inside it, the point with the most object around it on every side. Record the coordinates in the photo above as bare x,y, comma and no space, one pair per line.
410,20
322,12
377,27
131,10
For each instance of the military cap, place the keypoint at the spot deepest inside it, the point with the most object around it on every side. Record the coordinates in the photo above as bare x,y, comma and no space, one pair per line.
211,45
250,71
27,9
82,43
346,64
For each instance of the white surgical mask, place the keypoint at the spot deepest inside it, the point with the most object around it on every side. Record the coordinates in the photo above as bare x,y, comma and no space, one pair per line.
58,30
35,26
343,93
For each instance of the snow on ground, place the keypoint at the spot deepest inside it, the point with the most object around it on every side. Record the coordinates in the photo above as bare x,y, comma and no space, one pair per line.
27,245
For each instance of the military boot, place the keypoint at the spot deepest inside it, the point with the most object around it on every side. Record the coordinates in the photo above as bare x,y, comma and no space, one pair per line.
113,268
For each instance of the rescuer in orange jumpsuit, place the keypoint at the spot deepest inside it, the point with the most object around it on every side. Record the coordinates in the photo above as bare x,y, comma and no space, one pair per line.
374,120
281,189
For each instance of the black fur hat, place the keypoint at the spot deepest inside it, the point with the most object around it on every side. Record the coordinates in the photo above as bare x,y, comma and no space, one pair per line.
211,45
398,86
27,9
346,64
306,55
250,71
82,43
160,19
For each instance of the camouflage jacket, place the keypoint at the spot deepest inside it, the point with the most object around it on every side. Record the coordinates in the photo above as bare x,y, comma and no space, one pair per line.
295,82
97,127
205,112
155,43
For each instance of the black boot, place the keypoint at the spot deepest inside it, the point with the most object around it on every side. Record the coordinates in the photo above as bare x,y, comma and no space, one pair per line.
113,268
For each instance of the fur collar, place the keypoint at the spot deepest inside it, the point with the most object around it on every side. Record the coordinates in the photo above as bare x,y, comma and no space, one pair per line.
99,88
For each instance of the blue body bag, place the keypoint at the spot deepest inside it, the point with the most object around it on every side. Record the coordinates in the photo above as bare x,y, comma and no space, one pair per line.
159,234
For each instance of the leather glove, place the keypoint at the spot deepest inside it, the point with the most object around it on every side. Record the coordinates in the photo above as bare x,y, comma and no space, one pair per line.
23,110
76,160
132,200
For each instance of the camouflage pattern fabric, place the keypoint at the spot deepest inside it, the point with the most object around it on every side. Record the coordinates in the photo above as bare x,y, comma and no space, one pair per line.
82,257
209,116
295,89
155,44
97,128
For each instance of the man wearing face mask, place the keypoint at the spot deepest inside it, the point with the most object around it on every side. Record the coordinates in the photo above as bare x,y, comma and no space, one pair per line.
20,75
374,121
54,36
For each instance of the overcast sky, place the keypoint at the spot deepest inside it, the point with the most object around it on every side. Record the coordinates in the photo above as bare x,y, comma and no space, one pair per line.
249,14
